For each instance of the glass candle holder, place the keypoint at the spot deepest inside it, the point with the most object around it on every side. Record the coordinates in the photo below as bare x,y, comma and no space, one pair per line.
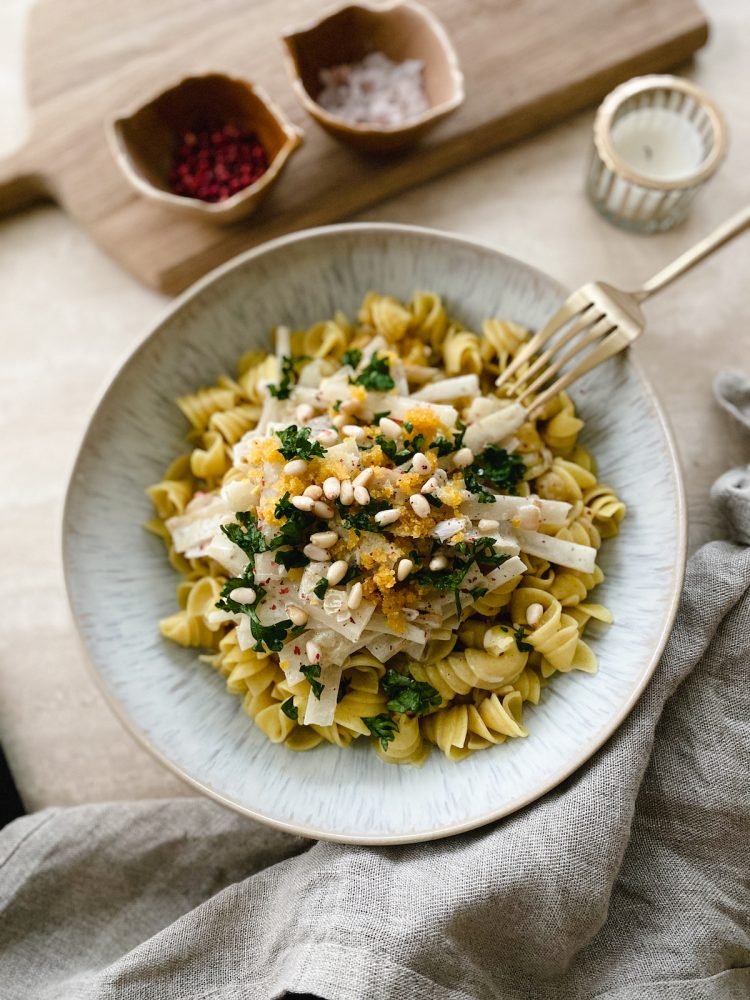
657,140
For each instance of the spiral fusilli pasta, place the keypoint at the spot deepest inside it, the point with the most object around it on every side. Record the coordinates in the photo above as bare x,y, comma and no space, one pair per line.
352,567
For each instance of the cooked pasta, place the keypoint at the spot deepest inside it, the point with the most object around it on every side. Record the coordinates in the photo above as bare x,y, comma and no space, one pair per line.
374,545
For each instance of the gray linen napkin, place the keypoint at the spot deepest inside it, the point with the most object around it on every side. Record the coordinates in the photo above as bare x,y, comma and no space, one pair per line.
630,880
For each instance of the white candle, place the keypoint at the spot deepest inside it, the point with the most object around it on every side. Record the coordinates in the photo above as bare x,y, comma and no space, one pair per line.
658,143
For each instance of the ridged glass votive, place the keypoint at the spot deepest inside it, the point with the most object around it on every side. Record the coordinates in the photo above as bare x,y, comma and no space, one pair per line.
657,140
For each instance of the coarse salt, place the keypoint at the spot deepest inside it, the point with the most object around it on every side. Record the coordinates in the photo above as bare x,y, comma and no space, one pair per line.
376,90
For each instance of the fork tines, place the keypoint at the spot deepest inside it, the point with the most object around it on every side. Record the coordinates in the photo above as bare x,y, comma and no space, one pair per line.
582,321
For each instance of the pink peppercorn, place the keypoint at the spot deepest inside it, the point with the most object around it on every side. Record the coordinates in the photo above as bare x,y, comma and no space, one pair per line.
214,162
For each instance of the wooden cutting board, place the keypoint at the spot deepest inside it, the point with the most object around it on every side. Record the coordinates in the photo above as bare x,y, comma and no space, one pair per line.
527,64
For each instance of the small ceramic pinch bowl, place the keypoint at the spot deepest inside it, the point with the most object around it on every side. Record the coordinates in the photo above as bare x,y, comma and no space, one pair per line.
400,30
143,141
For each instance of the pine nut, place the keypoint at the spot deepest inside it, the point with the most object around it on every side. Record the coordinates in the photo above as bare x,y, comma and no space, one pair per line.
324,539
390,428
297,615
322,510
297,467
388,516
313,491
303,412
437,563
316,553
364,477
529,516
361,496
430,486
347,493
331,488
404,568
442,476
420,463
533,613
463,457
327,437
303,503
339,421
486,524
337,571
349,406
354,599
353,431
419,505
243,595
313,651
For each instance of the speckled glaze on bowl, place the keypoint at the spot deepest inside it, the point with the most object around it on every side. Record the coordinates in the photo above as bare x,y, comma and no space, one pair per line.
119,581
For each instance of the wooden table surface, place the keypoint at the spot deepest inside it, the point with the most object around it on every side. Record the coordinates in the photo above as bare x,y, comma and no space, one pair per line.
69,315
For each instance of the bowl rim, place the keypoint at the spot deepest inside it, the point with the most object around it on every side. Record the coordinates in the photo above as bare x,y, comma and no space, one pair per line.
524,799
339,124
118,148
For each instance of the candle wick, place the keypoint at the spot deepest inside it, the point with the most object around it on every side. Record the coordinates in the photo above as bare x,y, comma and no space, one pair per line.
648,152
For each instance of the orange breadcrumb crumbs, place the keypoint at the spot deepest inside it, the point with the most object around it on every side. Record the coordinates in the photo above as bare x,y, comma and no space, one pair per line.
410,482
294,485
424,421
411,526
451,495
264,450
322,468
374,456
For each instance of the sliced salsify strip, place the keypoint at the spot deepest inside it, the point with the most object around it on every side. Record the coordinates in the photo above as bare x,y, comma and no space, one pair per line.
552,512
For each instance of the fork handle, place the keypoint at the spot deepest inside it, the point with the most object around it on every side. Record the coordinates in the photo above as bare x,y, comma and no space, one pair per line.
735,225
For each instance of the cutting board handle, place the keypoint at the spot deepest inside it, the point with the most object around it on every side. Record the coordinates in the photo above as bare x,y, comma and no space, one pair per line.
20,184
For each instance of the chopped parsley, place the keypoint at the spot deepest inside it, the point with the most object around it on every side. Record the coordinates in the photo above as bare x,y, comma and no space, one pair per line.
311,672
494,467
363,519
446,579
297,523
291,558
450,579
376,375
351,357
523,647
288,376
409,695
477,592
445,447
296,443
482,550
293,532
321,587
246,534
344,685
432,500
392,451
377,417
290,710
383,727
273,636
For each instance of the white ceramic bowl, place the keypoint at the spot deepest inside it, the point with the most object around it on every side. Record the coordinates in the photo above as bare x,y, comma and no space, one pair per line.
120,582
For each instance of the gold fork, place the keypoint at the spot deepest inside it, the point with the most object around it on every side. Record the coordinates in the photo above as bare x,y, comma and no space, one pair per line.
599,317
